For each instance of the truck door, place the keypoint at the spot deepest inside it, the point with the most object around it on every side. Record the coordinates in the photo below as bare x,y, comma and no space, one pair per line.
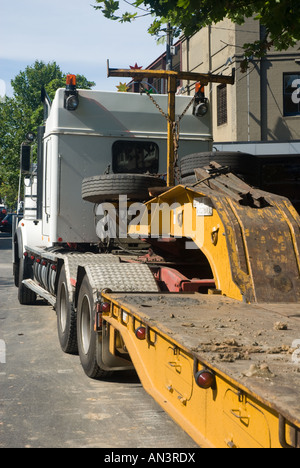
47,188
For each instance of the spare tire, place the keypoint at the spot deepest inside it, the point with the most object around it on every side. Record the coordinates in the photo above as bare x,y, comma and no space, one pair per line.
108,187
240,163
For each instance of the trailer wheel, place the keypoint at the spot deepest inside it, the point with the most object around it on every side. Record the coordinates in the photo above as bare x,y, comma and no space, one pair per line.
66,317
86,336
108,187
26,296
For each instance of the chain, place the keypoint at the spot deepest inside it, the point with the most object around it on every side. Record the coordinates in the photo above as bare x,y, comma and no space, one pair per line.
175,127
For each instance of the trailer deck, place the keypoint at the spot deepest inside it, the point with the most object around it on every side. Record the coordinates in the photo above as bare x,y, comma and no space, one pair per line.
251,349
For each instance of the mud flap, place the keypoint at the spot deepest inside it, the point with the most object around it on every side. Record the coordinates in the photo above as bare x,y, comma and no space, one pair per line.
105,359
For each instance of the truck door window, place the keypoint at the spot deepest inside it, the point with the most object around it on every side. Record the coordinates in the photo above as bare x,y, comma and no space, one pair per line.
137,157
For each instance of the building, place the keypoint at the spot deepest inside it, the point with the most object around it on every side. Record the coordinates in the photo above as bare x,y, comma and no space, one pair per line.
264,104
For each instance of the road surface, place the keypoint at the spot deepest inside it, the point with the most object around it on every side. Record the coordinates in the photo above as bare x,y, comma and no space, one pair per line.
46,401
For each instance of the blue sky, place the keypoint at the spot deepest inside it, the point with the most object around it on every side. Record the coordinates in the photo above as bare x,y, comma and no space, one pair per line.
74,35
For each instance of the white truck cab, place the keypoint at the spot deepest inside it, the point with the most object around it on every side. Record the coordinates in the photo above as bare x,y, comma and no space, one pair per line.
104,132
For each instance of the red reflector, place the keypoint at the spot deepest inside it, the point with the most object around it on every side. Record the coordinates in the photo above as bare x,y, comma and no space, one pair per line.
105,307
205,379
140,333
98,321
38,260
53,267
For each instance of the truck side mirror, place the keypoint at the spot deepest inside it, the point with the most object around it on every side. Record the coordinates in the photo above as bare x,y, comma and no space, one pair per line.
25,157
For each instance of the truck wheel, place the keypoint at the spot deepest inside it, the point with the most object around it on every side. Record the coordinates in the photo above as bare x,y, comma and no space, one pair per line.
86,336
108,187
66,317
16,272
26,296
188,180
240,163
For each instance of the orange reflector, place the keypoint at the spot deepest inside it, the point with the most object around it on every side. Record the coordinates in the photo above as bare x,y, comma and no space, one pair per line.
199,87
71,80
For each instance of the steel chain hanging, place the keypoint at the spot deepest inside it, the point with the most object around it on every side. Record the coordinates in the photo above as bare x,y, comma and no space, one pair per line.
175,127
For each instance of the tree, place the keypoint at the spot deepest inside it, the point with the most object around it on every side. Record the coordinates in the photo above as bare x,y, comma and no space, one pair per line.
23,113
281,18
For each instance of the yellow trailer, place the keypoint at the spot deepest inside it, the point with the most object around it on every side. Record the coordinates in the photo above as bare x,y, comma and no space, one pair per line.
220,368
225,364
217,346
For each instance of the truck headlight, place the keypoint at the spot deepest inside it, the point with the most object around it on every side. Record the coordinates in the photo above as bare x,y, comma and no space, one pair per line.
72,102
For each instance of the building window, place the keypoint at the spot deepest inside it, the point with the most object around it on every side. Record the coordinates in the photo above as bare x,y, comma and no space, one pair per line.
221,104
291,94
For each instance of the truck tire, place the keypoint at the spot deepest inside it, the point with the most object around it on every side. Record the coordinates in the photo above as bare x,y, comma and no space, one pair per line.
86,336
25,296
108,187
66,317
240,163
188,180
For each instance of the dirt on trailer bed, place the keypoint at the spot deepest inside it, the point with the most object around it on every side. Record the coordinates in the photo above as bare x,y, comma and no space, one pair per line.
256,345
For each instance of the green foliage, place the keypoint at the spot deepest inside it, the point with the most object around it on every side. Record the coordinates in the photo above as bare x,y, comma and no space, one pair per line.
281,18
23,113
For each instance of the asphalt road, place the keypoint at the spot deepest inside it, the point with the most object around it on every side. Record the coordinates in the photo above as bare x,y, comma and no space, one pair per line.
46,401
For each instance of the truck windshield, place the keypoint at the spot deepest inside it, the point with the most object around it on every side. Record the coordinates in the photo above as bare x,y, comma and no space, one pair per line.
136,157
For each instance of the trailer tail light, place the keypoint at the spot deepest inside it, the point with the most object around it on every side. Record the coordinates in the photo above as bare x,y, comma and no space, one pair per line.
98,320
101,307
205,379
105,307
140,333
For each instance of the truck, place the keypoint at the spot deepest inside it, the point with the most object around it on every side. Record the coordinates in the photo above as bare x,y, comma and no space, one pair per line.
158,255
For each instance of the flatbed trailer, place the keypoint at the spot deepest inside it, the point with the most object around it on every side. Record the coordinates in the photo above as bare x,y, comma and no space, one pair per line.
248,354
